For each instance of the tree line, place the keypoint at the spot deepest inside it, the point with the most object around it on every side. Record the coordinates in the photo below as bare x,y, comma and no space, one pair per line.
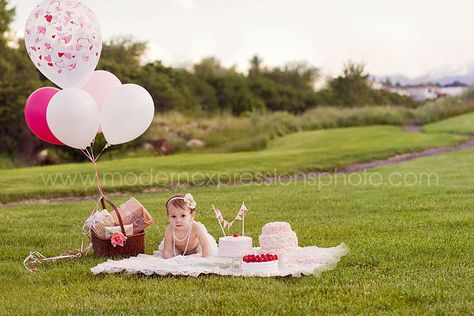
205,88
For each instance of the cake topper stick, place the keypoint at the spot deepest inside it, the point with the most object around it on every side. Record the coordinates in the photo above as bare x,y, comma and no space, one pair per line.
242,211
243,224
219,218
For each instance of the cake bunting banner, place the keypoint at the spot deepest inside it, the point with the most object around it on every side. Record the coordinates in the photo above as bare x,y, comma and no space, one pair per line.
242,211
219,217
223,223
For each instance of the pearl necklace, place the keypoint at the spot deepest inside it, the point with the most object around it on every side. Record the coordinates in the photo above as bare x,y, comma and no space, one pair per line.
187,236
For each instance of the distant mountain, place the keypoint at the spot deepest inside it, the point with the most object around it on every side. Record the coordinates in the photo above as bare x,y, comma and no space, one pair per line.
401,79
441,75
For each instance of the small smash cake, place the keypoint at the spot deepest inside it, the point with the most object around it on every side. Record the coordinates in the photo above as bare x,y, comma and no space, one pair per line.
260,264
234,246
277,237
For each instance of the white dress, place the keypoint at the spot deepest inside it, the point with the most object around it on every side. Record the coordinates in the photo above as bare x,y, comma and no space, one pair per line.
212,244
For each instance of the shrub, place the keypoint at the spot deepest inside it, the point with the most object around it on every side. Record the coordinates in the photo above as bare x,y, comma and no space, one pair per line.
446,107
330,117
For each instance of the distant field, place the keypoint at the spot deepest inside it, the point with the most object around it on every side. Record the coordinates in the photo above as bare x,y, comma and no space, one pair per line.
6,163
457,124
323,150
411,250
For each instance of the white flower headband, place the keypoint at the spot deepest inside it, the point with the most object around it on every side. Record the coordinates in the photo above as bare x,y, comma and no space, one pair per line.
188,200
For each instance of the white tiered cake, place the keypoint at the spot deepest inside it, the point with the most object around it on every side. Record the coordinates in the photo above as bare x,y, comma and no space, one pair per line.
277,237
259,268
234,247
264,264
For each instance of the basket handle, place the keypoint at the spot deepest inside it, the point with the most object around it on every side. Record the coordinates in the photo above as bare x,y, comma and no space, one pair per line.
104,199
103,203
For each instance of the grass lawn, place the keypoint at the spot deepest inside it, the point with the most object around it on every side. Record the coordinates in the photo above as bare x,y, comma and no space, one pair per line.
305,151
6,163
411,249
458,124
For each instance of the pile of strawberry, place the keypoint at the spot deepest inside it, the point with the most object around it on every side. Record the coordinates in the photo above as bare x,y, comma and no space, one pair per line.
260,258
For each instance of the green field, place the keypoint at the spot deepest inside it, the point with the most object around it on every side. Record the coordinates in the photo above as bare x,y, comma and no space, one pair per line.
463,124
324,150
409,227
411,251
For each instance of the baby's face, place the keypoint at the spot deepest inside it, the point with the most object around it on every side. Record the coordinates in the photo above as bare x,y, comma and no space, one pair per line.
179,219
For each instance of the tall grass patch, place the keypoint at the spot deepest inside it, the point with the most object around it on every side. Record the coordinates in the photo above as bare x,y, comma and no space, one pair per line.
227,133
331,117
444,108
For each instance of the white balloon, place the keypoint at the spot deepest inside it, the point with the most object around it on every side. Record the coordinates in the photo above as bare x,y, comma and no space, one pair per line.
126,113
73,117
63,39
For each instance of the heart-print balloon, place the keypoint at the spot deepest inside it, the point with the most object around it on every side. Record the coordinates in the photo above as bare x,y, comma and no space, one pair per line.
64,41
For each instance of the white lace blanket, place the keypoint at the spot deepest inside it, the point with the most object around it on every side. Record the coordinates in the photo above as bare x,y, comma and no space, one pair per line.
298,262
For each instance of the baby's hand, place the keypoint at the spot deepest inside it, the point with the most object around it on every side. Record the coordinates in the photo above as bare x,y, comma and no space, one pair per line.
203,240
168,246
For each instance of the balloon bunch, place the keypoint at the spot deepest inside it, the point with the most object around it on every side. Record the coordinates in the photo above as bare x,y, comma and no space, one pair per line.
63,39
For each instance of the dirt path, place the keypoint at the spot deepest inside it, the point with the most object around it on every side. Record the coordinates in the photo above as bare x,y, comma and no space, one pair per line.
412,127
352,168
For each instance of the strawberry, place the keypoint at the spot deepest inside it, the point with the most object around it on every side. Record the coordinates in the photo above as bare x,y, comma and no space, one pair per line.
235,235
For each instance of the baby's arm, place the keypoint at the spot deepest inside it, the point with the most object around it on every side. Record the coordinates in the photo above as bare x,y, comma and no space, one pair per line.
168,246
203,240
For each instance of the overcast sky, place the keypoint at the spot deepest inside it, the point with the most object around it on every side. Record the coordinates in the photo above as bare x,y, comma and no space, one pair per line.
409,37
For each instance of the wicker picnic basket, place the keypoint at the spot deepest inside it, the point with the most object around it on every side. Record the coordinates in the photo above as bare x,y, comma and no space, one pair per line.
134,245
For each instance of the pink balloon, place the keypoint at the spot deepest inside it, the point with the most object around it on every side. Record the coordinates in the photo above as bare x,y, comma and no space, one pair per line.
35,114
99,86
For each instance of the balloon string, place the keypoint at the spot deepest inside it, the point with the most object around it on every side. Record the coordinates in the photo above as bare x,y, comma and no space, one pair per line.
86,153
91,150
92,146
35,258
98,178
93,159
105,147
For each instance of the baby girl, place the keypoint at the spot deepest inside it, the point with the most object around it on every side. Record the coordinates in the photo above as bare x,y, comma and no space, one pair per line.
184,236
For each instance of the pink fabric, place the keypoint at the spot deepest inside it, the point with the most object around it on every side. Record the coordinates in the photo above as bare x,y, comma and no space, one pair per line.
133,212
